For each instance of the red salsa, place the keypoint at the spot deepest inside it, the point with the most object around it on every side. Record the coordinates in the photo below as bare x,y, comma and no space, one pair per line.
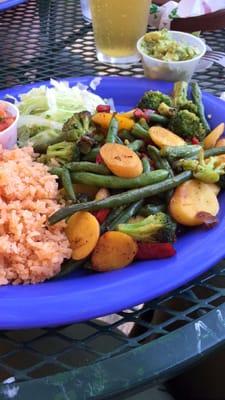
6,119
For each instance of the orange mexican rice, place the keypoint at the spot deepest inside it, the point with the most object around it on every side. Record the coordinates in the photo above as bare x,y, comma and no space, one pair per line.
30,251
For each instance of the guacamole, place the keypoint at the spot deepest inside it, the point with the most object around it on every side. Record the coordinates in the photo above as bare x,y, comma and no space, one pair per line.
160,45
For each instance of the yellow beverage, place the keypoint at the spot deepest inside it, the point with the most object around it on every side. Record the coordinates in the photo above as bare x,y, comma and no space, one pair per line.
118,24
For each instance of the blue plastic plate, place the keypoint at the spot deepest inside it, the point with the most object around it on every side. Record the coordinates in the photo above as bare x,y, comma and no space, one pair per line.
84,295
6,4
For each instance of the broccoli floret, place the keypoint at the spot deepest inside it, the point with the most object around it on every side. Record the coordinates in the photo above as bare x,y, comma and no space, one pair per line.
189,106
155,228
180,99
187,125
152,100
166,110
78,125
62,152
40,140
207,172
85,144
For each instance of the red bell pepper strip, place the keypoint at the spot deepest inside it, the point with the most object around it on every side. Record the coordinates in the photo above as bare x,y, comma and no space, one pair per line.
195,140
151,251
99,159
103,108
102,214
138,113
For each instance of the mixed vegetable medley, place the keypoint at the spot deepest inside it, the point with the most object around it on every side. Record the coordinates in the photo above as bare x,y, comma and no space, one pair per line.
129,180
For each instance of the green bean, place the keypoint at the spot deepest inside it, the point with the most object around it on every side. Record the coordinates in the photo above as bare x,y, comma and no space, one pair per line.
215,151
173,152
146,165
150,209
112,131
125,135
118,140
197,99
91,156
113,214
159,119
56,171
120,199
76,154
136,145
139,132
67,184
143,123
88,167
161,163
154,153
115,182
67,268
126,214
88,265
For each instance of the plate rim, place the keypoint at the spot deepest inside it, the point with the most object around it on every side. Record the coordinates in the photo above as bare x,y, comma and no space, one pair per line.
13,321
7,4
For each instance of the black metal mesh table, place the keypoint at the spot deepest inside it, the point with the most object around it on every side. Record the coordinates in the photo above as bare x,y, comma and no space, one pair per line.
98,359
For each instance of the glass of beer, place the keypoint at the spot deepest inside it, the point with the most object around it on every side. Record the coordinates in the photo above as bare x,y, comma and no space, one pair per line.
117,25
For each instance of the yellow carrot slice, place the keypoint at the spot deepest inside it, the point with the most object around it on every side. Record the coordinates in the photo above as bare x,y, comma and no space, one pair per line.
163,137
121,160
83,232
212,138
189,199
114,250
103,119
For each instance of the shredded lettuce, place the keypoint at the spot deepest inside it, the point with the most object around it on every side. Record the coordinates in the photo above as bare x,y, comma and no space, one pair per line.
59,102
46,108
31,120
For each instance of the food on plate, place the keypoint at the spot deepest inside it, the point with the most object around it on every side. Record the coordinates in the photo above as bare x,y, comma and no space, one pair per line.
45,110
190,199
161,45
156,178
207,171
122,182
213,138
83,232
31,251
103,119
114,250
121,160
164,137
152,99
152,251
6,118
154,228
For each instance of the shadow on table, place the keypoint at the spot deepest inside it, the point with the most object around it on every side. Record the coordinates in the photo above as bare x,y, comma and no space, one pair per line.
203,381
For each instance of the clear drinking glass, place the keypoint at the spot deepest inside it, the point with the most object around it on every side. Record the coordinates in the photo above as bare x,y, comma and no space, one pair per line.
85,8
117,25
